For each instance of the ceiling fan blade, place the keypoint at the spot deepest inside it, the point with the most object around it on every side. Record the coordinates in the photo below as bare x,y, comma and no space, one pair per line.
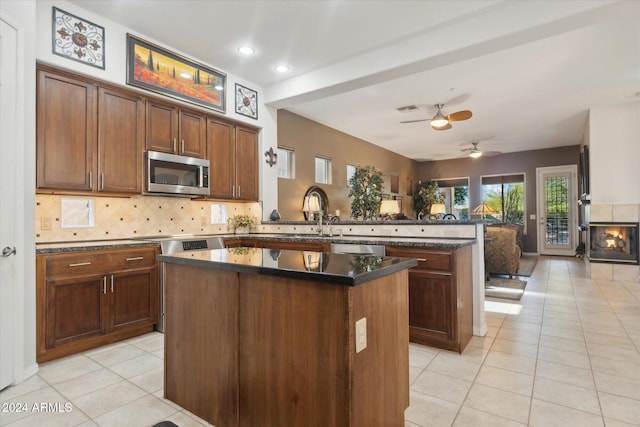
448,126
460,115
492,153
415,121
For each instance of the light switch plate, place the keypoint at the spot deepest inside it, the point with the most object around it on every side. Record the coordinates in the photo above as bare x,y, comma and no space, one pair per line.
45,223
361,334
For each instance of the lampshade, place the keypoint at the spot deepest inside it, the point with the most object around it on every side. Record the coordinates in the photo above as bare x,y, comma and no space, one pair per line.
438,208
314,204
483,209
311,204
389,207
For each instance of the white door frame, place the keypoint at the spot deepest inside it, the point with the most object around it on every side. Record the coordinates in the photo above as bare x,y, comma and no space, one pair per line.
12,209
572,226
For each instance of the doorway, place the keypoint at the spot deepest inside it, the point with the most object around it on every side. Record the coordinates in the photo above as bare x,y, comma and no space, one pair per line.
557,220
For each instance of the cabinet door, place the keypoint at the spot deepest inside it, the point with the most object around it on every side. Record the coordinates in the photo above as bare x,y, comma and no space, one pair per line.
133,298
220,150
193,134
76,309
430,306
162,127
120,139
246,164
65,133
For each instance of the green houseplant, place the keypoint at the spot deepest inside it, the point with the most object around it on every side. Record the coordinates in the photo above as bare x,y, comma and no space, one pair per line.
242,223
426,194
365,192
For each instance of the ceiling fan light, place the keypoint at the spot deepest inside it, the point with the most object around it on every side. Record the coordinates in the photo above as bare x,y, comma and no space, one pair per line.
475,154
439,121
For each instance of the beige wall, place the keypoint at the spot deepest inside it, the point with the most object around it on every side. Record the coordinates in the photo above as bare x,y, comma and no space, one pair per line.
308,139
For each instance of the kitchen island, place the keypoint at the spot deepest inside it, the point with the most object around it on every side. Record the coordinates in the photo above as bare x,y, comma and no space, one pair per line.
287,338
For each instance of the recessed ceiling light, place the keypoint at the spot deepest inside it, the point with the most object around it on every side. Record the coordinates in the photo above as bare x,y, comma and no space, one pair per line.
282,68
246,50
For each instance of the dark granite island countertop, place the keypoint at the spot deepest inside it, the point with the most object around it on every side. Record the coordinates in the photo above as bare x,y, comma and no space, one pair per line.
267,337
343,269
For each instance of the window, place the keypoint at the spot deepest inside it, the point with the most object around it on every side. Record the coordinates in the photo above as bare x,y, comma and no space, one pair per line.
456,191
323,170
351,170
286,163
504,194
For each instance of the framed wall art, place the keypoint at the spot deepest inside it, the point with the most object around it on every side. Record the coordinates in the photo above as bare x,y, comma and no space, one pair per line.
246,101
77,39
157,69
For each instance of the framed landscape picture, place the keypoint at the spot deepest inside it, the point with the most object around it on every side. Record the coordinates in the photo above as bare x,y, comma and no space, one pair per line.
157,69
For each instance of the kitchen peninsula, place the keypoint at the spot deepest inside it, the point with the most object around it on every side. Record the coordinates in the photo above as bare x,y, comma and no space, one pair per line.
282,337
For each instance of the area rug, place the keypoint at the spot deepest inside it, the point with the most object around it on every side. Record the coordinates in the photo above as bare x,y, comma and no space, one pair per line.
527,265
499,287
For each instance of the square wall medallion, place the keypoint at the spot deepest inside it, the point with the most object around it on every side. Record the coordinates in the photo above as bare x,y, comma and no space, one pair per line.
77,39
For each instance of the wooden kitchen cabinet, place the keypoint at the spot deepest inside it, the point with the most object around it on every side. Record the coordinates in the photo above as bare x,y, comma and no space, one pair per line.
174,130
440,296
89,298
89,137
66,134
233,153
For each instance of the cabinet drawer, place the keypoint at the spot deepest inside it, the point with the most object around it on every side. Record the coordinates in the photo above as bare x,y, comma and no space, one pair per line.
438,261
99,261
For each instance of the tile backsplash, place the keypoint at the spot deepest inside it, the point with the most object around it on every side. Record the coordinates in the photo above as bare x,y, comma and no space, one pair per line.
122,218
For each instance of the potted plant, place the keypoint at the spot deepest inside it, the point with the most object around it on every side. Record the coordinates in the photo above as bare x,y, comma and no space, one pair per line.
242,223
365,192
426,194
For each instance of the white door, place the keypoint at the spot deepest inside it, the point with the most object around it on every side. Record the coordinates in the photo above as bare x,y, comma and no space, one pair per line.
557,204
8,132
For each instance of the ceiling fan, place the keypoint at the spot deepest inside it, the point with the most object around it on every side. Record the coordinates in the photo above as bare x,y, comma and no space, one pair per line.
475,152
442,122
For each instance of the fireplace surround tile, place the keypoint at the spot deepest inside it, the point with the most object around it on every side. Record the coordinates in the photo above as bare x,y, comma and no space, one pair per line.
601,213
626,273
626,213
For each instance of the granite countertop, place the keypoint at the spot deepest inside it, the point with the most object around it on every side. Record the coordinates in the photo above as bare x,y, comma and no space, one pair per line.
59,247
425,242
428,242
342,269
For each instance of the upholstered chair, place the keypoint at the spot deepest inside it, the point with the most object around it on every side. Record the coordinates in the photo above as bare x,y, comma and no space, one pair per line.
502,254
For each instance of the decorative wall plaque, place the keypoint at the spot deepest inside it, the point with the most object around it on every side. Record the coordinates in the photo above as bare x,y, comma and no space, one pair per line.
77,39
246,101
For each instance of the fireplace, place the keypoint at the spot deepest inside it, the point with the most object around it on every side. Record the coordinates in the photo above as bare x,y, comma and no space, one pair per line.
614,242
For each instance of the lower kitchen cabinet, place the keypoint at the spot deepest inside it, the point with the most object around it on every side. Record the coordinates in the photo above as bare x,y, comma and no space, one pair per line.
440,296
89,298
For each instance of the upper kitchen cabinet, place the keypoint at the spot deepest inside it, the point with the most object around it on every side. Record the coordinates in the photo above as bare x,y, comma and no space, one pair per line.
233,153
66,134
120,141
174,130
89,137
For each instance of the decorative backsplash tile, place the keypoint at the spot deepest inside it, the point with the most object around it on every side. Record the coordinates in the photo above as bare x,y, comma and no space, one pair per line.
122,218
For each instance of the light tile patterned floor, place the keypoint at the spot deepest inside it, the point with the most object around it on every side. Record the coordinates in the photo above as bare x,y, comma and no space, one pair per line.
567,354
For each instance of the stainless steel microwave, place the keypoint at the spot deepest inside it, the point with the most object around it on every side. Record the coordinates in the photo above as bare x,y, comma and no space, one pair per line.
178,175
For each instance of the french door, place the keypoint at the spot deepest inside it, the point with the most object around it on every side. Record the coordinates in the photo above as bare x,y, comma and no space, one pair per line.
557,205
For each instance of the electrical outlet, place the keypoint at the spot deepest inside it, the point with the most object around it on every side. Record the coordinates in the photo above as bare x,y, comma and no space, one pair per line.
203,220
361,334
45,223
